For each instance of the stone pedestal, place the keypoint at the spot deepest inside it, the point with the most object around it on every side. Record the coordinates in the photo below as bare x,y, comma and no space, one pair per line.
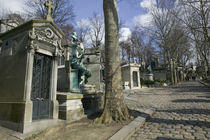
74,83
70,106
88,89
150,77
92,103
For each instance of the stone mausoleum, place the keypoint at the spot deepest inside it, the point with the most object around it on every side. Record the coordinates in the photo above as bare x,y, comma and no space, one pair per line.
28,75
36,92
131,76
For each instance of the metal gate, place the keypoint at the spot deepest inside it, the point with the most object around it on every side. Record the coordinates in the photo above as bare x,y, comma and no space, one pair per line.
41,86
135,79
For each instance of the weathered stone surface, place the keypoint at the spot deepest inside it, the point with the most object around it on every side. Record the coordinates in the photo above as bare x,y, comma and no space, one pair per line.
68,96
70,106
18,50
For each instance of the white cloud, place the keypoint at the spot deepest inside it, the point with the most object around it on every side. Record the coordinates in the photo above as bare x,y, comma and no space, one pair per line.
148,4
145,19
12,5
83,23
142,20
125,34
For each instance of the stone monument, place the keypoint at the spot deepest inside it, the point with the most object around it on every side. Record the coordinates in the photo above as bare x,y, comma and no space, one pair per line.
28,75
70,102
131,75
82,73
150,74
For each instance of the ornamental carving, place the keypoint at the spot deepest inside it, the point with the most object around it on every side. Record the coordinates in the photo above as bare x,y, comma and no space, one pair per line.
46,35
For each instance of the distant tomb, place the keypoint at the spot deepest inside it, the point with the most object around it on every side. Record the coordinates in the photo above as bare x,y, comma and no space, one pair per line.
131,76
92,60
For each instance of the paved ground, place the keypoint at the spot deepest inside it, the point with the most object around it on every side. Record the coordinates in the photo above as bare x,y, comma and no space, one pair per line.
182,112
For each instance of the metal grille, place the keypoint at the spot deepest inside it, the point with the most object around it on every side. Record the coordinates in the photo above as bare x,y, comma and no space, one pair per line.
41,85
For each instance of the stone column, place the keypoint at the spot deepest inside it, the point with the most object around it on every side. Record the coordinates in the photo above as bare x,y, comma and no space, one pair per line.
139,82
53,88
28,82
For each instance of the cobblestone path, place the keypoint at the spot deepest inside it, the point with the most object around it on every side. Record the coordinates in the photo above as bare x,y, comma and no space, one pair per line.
182,112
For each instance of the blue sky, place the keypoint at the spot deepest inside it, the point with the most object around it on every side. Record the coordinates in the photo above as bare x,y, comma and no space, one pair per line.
131,12
127,10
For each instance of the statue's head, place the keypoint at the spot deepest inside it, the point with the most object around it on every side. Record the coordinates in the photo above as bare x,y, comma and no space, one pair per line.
74,36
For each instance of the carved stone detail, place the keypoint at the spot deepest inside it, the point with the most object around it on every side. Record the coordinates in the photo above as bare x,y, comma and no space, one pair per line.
45,34
49,33
32,43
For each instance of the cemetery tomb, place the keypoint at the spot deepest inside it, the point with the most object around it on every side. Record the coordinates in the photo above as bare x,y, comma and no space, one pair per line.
28,75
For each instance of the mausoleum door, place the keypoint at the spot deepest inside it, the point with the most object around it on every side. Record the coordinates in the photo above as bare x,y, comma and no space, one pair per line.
41,86
135,79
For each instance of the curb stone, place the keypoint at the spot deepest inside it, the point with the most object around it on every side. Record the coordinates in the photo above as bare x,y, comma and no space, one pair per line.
128,130
203,83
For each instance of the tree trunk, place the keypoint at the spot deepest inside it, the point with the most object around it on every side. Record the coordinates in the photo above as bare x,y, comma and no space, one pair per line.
115,108
171,71
175,72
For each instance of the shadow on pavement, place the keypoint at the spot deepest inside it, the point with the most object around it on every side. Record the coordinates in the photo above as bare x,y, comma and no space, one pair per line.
190,86
180,89
166,138
203,96
184,122
188,111
191,100
136,113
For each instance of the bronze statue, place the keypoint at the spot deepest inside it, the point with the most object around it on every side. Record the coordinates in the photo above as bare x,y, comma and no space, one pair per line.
78,52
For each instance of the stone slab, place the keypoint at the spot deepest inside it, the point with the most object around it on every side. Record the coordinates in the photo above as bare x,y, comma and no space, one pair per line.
125,132
72,115
68,96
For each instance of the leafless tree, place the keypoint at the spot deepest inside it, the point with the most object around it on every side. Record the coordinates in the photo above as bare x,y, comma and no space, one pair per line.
96,30
62,13
169,33
196,17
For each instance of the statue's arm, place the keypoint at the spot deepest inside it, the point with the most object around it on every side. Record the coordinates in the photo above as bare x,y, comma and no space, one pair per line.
82,53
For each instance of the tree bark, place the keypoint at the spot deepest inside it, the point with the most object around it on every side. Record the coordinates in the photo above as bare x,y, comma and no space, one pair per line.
115,108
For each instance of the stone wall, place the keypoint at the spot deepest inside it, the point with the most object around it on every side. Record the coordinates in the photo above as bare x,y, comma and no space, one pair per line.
92,60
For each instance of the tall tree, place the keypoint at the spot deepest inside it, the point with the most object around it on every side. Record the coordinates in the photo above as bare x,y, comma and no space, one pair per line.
62,13
115,108
196,17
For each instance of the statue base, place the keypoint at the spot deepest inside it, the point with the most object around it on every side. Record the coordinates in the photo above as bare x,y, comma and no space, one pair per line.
150,77
74,83
92,103
70,106
88,89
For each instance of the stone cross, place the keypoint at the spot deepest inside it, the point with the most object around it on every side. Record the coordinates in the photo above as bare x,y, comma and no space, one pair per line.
50,7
